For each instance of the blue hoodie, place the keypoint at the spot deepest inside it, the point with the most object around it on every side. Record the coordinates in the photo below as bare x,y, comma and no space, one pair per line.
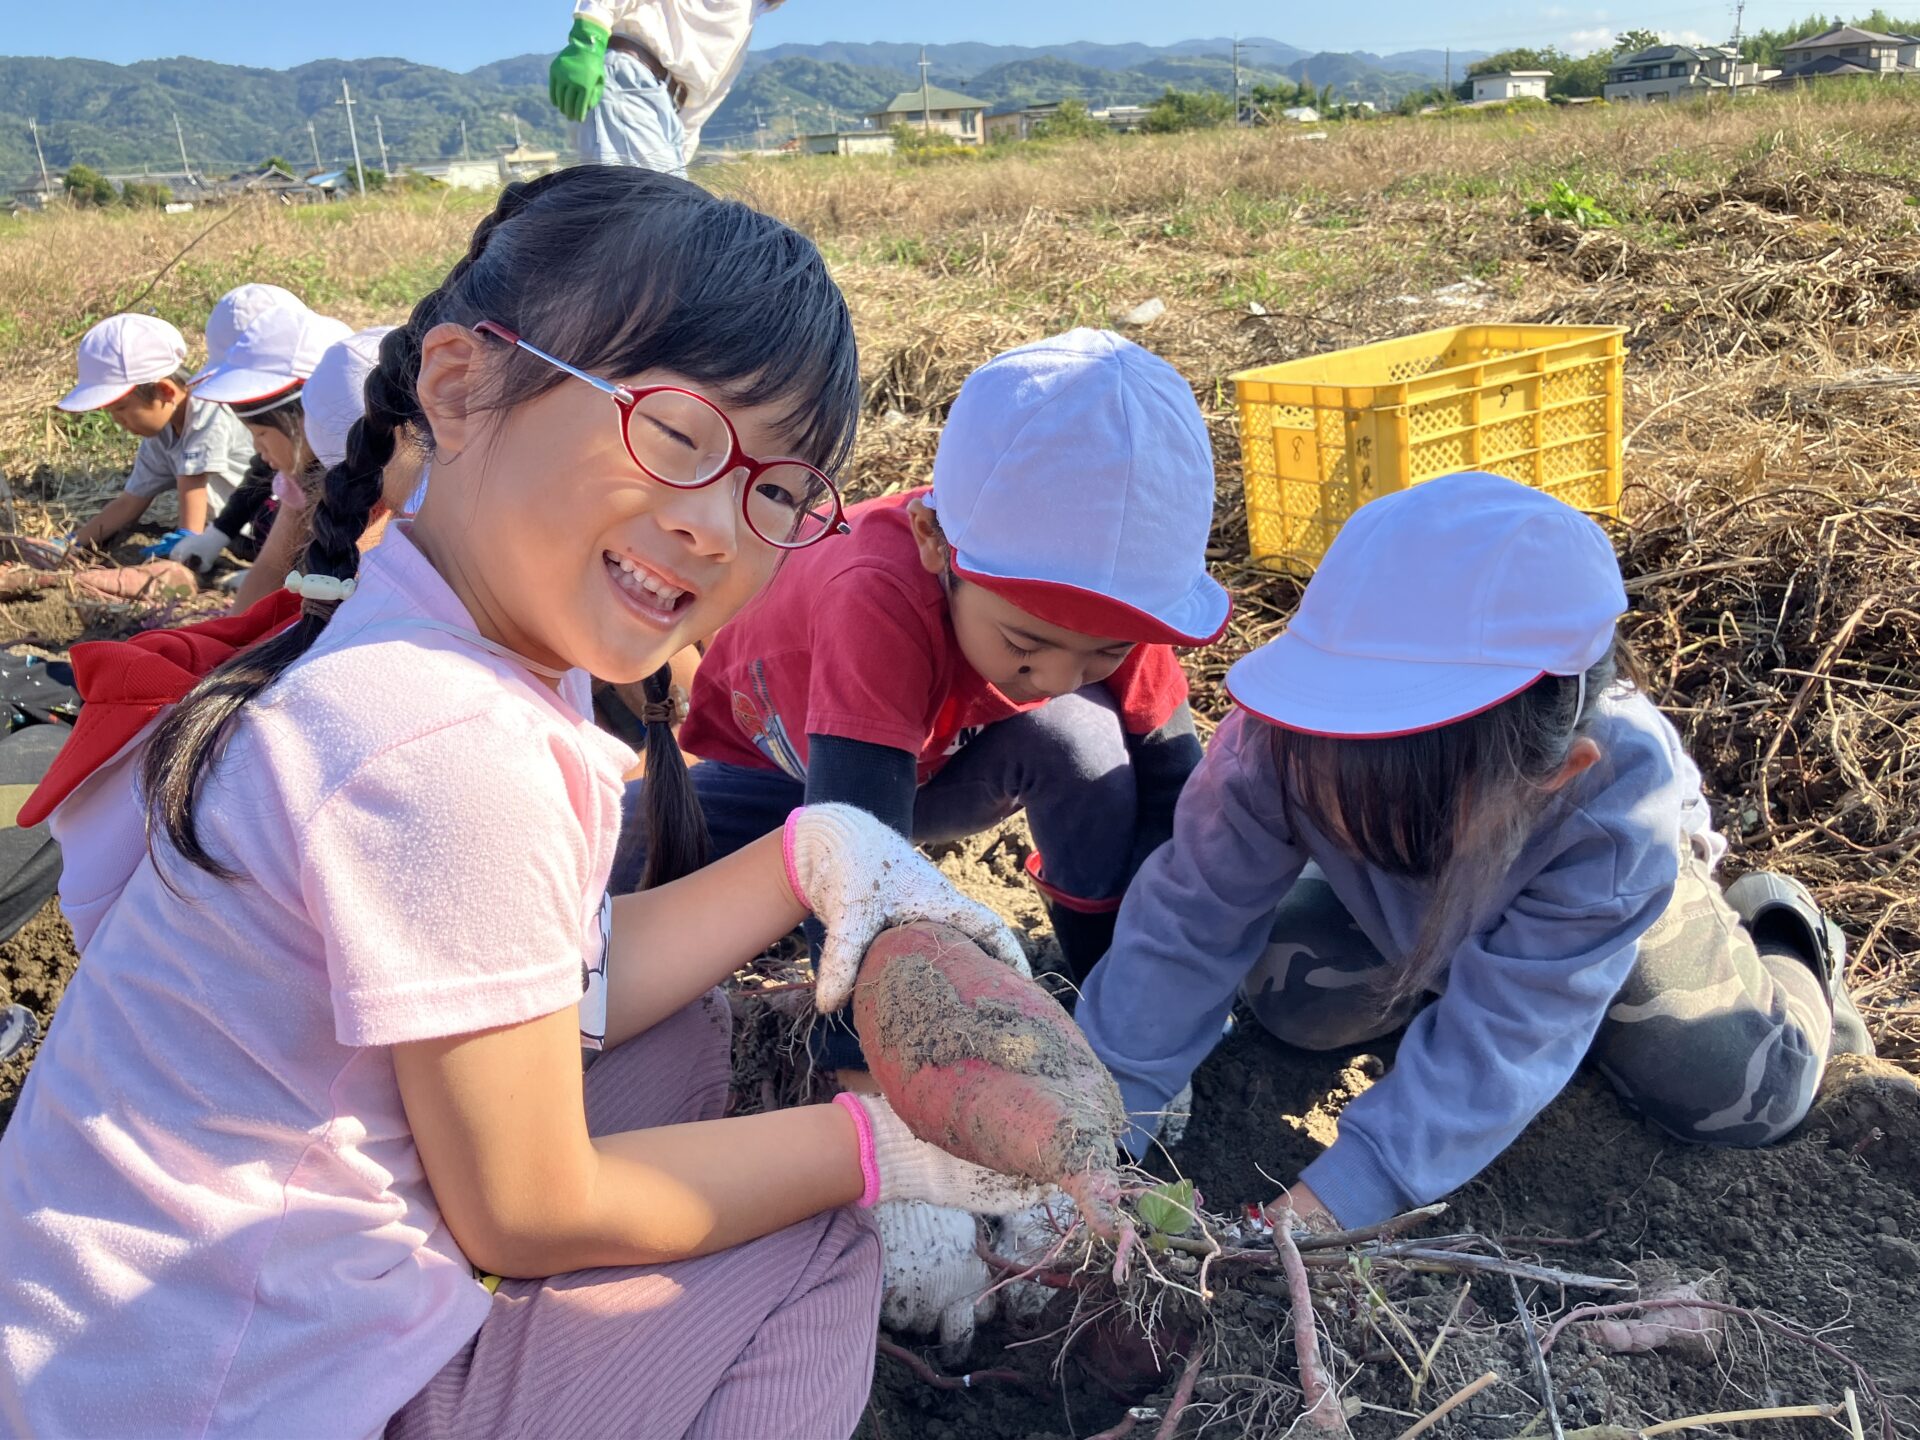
1521,998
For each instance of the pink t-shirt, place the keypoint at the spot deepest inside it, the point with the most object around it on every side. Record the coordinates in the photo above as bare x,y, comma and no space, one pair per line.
213,1219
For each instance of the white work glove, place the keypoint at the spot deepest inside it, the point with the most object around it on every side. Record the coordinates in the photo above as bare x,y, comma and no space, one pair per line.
932,1274
912,1169
859,878
1176,1117
1026,1237
199,552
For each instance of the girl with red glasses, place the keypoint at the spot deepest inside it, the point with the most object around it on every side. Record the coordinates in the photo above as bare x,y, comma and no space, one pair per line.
318,1085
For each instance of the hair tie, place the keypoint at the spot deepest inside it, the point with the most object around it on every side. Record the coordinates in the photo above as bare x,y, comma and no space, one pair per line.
327,589
670,711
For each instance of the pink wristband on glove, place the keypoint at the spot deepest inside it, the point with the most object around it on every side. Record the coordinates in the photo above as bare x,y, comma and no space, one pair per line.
869,1166
786,858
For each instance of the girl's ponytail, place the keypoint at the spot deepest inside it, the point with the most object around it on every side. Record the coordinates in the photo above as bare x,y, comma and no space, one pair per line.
676,830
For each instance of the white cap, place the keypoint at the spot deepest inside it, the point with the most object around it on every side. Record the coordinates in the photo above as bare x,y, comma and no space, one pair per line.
123,351
275,352
334,395
237,310
1433,604
1074,478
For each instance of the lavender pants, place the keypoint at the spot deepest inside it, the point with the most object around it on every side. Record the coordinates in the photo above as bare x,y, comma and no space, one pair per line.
774,1338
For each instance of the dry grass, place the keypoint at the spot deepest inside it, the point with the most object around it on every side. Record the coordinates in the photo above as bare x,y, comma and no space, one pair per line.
1767,264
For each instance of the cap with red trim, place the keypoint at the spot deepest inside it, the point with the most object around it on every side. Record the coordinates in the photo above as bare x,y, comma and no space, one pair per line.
238,310
1433,604
123,351
1075,479
276,351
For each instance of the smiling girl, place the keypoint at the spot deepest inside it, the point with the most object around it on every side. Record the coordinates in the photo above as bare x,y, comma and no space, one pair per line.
321,1067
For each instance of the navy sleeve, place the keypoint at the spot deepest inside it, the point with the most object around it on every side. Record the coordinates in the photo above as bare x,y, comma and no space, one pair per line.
875,778
1162,761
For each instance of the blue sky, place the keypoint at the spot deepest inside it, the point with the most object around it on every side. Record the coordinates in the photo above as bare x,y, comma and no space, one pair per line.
460,34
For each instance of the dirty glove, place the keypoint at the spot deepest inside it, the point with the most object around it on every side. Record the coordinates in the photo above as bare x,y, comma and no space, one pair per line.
199,552
578,74
900,1167
1026,1237
859,877
932,1274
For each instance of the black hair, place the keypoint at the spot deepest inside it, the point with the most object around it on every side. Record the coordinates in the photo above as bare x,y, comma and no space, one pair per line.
150,391
1452,806
619,270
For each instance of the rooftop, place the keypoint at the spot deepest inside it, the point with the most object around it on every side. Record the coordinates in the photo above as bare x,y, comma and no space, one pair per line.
1843,35
933,98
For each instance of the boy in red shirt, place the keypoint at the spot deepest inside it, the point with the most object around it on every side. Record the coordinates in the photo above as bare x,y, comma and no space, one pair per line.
998,642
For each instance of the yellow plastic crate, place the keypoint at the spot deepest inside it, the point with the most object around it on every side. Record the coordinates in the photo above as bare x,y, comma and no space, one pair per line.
1322,436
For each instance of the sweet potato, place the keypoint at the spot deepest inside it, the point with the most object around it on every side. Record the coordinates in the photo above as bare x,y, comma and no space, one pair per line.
985,1064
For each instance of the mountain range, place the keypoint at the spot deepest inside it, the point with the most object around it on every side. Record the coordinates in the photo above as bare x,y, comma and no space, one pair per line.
121,118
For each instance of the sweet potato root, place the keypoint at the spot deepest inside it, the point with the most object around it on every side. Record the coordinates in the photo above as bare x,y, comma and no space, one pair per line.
985,1064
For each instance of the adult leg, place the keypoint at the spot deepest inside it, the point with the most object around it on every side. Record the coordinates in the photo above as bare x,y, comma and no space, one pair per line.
740,804
1715,1040
771,1338
1313,986
1067,765
635,122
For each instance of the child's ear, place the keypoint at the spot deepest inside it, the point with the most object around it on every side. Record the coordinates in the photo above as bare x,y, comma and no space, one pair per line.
450,359
1582,756
926,535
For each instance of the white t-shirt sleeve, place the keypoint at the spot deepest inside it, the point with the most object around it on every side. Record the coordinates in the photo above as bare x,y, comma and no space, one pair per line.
449,877
153,472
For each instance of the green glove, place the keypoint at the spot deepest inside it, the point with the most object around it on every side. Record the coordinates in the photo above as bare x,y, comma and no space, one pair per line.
579,73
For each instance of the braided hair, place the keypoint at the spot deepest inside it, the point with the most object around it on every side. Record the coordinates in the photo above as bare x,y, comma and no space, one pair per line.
622,271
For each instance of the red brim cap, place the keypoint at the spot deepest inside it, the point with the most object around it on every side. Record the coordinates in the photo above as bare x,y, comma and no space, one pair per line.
1087,612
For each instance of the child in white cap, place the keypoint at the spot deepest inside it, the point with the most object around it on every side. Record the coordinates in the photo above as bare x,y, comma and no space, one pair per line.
134,368
243,523
277,342
1003,640
328,404
1442,804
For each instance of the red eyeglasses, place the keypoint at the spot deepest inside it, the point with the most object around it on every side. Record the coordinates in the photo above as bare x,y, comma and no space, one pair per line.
686,441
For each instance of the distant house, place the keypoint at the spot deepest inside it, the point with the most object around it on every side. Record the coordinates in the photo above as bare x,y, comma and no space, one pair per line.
1023,123
849,142
1847,50
272,182
1301,115
1511,85
462,174
944,112
523,162
1123,118
1679,72
40,197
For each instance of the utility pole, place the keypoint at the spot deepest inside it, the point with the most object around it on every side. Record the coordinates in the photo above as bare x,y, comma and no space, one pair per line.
1236,80
465,153
314,140
182,139
381,136
516,130
46,183
1739,14
1449,99
926,96
359,173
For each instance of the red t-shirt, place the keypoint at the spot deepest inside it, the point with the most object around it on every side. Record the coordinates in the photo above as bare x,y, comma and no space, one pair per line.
852,638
